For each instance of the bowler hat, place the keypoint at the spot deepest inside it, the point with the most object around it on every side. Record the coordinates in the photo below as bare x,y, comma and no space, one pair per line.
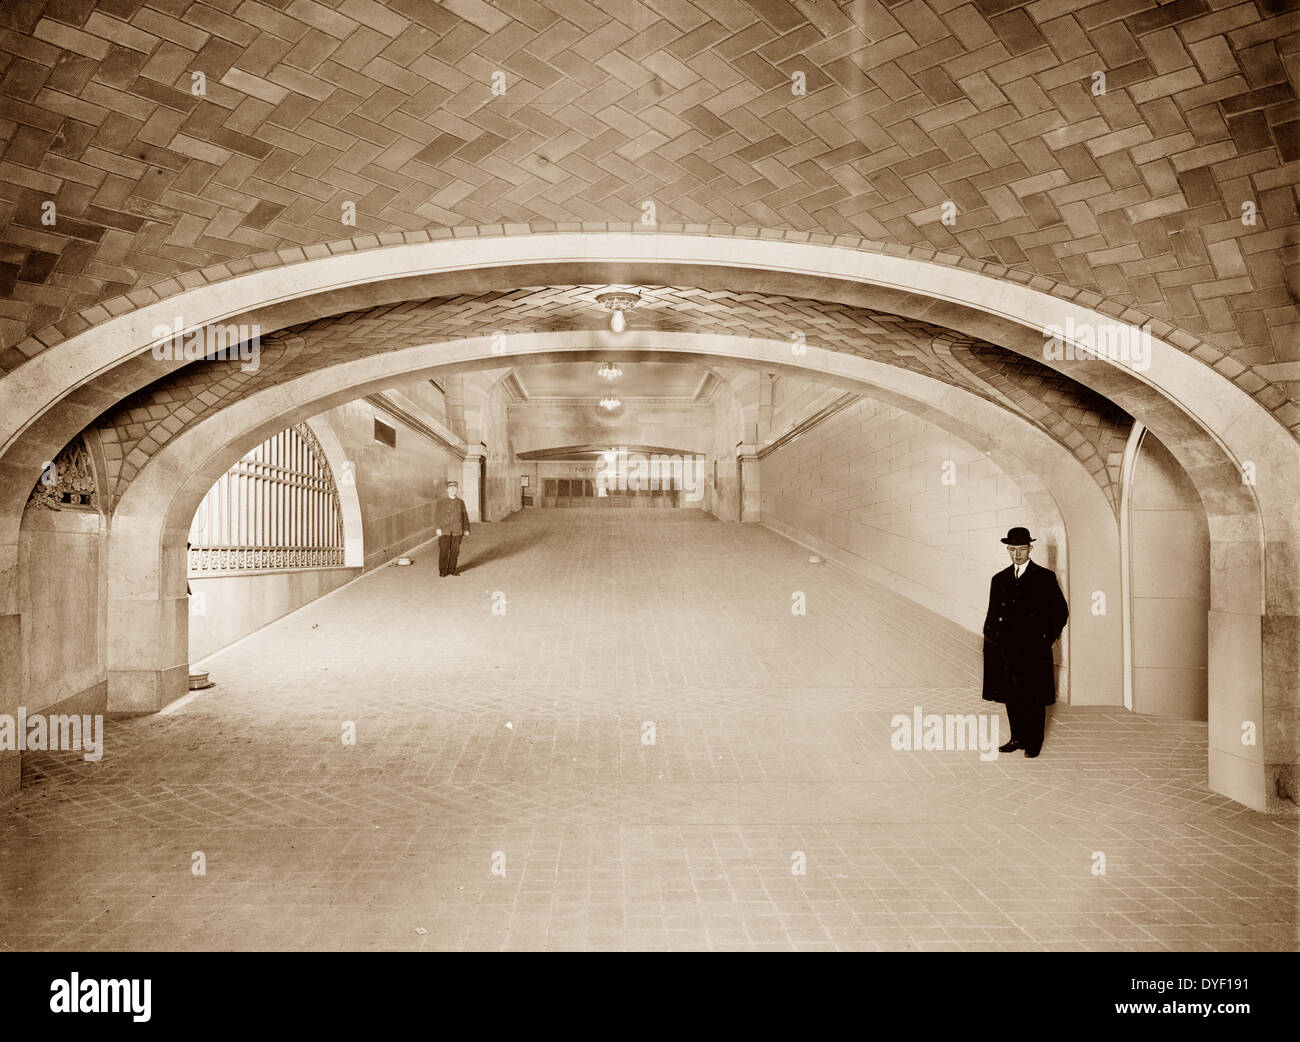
1018,537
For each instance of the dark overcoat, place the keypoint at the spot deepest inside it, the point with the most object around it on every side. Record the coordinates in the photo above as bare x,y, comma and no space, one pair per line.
1024,620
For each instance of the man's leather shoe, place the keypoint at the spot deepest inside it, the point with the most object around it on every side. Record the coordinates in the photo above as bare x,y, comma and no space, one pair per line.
1031,753
1010,747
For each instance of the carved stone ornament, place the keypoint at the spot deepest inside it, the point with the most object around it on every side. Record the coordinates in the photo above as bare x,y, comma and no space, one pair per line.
68,482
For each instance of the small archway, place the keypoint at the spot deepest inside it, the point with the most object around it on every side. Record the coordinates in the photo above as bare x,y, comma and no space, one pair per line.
233,592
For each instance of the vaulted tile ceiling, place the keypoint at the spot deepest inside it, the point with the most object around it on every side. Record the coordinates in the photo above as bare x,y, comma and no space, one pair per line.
1135,193
144,422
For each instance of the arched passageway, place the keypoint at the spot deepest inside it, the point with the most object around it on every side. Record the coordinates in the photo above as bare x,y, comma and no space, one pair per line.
1236,455
901,275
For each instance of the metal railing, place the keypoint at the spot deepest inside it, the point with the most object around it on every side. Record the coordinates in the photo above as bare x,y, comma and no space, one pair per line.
277,508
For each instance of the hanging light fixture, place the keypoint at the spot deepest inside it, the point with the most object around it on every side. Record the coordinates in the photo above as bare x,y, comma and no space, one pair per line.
609,371
619,301
610,402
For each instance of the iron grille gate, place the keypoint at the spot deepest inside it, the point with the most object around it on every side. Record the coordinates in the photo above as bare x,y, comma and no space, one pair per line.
277,508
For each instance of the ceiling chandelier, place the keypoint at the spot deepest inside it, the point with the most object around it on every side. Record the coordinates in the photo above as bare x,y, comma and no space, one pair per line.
609,371
618,301
610,402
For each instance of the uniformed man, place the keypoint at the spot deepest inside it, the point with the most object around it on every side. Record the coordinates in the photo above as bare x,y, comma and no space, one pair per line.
451,521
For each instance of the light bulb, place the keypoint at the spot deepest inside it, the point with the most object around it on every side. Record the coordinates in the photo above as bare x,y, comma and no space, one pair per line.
616,322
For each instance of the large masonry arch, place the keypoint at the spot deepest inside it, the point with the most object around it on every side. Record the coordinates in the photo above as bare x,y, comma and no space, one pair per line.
349,501
1222,436
146,583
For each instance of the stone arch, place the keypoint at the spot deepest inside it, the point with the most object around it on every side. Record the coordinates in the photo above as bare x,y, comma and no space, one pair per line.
1212,424
146,588
354,541
959,299
168,289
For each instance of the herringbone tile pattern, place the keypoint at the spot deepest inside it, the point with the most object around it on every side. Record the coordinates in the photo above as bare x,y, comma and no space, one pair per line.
516,740
146,421
1092,426
1134,195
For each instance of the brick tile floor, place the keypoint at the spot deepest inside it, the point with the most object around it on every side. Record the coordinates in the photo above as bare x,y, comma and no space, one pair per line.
518,737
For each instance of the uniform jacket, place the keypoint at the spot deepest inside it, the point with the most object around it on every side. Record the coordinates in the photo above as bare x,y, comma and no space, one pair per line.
451,516
1024,620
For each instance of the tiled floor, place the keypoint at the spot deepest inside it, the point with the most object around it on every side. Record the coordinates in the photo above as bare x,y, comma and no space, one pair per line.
516,739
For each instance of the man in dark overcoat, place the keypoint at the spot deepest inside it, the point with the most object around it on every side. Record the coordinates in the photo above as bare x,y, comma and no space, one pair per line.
451,521
1027,612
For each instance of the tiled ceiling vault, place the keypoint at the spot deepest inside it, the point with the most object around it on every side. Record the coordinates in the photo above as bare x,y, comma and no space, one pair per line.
143,423
1135,193
1093,427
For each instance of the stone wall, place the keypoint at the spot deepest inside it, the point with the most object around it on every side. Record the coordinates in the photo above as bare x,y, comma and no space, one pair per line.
225,608
728,428
551,424
64,602
1169,553
865,486
502,496
397,486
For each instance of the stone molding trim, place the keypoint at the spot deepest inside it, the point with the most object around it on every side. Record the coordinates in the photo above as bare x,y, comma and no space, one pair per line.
808,423
1269,394
443,438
